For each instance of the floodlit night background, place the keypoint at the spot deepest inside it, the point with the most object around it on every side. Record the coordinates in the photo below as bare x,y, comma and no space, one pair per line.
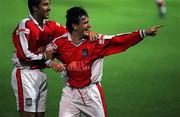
143,81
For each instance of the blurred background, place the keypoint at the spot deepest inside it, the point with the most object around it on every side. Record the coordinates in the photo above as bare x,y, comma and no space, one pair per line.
143,81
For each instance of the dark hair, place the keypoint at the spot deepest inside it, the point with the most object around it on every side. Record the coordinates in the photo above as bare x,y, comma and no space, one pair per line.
73,16
32,3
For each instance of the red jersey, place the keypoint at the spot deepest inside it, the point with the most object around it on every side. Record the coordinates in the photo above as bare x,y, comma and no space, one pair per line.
84,61
28,37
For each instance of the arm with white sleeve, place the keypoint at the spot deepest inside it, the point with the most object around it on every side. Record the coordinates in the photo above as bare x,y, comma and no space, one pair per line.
22,39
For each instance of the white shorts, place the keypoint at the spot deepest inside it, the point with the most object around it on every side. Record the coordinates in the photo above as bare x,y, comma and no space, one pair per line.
89,101
30,89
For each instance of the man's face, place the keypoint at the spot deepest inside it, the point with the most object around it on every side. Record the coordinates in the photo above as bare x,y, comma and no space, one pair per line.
44,9
84,27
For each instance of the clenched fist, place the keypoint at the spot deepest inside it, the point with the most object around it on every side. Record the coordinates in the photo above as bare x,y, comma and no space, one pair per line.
58,67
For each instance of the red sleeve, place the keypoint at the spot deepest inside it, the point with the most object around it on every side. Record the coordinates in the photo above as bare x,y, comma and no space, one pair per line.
57,29
108,45
21,40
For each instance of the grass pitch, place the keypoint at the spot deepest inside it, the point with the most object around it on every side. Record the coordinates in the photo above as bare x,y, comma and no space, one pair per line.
141,82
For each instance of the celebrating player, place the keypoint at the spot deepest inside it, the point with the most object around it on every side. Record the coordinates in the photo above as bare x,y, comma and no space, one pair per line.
83,63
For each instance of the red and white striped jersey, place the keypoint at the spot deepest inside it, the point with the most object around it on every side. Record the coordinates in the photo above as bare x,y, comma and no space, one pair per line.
28,37
84,61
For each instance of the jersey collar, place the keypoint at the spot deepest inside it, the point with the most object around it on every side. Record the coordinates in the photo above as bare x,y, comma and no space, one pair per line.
70,39
34,20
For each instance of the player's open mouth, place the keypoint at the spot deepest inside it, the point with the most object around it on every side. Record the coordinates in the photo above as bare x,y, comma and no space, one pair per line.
86,30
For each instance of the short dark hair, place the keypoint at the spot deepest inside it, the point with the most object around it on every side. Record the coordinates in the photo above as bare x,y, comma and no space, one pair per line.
32,3
73,16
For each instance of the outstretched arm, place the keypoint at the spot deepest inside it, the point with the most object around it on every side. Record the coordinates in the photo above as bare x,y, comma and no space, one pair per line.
112,44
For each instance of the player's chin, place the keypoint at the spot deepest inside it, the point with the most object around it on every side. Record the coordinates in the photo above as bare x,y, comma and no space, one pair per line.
86,34
46,16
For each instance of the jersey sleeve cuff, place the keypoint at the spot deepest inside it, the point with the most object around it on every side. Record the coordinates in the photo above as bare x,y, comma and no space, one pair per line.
143,34
44,56
48,62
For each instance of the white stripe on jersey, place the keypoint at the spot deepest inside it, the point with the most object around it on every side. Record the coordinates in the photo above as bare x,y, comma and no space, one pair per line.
24,43
97,71
52,45
111,36
25,30
62,36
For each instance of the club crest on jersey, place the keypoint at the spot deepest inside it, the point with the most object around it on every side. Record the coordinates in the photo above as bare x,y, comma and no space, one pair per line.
85,52
28,102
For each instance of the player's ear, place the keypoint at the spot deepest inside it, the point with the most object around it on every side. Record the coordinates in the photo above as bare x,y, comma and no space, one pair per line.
74,26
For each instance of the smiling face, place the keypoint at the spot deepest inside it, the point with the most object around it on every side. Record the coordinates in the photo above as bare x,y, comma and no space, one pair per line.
43,9
83,28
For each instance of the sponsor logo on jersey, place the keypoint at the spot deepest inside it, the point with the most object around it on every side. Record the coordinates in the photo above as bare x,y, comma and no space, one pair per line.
78,66
85,52
28,102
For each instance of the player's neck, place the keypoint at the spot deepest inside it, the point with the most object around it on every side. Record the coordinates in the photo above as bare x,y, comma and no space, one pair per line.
76,38
38,19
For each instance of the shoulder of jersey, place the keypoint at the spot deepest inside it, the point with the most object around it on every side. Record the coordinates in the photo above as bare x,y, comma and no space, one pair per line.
63,37
24,21
53,22
23,26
